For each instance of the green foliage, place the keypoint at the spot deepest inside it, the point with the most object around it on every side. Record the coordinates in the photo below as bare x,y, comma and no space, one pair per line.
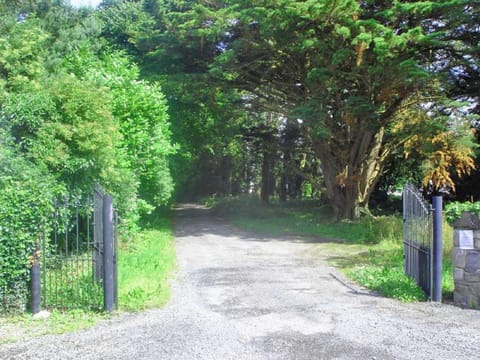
26,195
381,269
454,210
140,112
348,70
22,53
72,113
126,25
78,141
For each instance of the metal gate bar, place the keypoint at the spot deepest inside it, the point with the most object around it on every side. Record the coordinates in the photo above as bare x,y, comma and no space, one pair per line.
71,262
422,239
417,238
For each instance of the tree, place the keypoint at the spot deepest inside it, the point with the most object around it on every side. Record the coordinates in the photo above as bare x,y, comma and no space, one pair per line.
349,70
83,114
350,73
204,116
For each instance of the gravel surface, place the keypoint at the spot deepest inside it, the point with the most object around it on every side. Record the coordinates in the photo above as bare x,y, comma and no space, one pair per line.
242,296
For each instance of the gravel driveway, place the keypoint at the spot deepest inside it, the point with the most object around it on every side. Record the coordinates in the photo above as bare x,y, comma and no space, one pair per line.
241,296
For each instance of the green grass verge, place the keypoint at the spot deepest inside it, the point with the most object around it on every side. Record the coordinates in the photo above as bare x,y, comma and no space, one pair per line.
369,251
145,264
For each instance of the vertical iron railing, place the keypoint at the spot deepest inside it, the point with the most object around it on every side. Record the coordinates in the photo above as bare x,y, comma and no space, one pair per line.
98,233
71,257
420,238
437,251
417,237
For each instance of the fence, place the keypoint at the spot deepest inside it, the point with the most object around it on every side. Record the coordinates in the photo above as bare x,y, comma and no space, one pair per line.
422,239
75,265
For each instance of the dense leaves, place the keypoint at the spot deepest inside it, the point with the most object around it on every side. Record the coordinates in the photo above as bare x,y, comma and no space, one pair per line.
359,80
454,210
73,113
25,201
351,73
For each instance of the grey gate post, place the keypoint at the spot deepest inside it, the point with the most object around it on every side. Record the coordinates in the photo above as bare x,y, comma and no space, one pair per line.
437,249
108,285
35,279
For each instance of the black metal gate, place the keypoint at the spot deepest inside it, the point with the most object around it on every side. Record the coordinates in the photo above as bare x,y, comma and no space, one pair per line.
77,262
418,238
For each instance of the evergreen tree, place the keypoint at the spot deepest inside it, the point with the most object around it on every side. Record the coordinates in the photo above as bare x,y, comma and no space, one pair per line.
349,70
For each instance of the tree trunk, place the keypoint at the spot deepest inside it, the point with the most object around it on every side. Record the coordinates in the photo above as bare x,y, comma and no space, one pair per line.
351,174
266,189
226,176
283,188
284,178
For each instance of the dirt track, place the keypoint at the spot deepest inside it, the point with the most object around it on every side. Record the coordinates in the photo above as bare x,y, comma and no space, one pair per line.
241,296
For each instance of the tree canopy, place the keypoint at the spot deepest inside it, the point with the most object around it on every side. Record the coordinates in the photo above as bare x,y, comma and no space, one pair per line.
365,80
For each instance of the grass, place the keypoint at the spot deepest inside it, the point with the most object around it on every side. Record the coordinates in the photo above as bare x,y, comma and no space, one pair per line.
369,251
302,218
145,264
69,284
24,326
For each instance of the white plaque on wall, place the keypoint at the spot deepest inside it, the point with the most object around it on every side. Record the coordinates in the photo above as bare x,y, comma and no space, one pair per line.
465,239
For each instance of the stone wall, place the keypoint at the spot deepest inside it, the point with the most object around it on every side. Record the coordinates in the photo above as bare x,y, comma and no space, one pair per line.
466,261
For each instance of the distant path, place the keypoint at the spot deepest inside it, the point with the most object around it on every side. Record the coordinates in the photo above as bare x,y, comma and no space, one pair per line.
240,296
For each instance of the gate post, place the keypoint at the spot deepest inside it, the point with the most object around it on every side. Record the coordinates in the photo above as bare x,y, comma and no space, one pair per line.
108,286
437,249
466,261
35,279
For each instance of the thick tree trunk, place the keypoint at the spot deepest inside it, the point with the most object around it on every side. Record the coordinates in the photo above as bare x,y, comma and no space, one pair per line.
351,174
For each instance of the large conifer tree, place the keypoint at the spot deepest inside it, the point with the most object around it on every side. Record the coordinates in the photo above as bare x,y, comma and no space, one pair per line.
361,76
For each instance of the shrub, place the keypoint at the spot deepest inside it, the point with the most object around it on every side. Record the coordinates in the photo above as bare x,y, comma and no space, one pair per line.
454,210
26,195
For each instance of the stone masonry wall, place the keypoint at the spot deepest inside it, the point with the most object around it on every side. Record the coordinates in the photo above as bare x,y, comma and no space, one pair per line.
466,261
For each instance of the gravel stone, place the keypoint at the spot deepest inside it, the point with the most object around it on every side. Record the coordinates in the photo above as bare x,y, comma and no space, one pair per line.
241,296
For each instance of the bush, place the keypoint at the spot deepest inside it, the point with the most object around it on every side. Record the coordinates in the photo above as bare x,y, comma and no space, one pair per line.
26,195
454,210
